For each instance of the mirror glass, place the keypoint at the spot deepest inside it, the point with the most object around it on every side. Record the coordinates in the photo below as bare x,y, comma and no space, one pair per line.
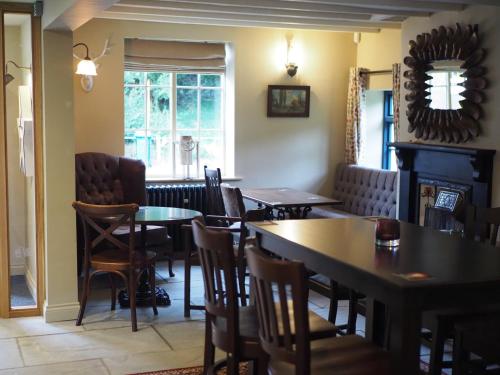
20,160
445,90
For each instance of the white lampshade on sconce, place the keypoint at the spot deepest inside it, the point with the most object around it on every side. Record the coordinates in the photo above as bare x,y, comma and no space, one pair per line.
87,67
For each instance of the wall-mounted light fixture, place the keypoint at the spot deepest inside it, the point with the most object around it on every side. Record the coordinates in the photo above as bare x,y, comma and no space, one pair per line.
291,65
8,78
87,66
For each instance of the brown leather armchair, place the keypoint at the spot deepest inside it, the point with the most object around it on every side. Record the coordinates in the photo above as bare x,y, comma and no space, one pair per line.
108,179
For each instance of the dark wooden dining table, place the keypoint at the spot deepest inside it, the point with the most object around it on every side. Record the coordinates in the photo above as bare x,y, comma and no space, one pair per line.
429,270
297,204
159,216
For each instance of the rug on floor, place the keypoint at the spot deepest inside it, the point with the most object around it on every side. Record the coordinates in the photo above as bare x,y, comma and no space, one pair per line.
198,370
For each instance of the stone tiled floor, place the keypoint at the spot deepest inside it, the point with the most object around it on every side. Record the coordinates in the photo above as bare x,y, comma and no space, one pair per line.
104,344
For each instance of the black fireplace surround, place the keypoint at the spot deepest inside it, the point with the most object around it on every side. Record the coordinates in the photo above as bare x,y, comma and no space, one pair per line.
469,169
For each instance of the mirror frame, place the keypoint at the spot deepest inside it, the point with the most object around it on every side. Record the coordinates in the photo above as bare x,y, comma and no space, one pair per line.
450,125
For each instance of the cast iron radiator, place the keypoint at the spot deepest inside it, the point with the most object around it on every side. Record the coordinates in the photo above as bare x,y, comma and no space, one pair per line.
182,196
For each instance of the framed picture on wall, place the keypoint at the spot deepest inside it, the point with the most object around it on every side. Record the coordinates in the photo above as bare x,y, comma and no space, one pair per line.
288,101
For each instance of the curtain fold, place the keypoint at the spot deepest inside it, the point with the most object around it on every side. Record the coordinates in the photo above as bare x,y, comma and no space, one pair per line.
396,90
356,96
157,55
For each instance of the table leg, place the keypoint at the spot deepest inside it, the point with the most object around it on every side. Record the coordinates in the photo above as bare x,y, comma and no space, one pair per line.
404,339
143,294
376,323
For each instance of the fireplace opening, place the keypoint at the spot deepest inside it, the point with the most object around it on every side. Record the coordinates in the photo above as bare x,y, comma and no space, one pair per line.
448,212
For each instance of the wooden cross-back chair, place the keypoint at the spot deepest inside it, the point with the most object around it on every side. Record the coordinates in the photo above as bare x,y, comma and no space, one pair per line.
284,327
116,257
229,327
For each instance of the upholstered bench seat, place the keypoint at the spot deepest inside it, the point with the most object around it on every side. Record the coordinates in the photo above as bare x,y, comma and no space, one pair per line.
364,191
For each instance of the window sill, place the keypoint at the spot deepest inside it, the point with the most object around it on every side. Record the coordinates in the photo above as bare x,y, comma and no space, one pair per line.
150,181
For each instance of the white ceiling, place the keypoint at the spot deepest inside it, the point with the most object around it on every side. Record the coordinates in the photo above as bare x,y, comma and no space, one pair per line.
334,15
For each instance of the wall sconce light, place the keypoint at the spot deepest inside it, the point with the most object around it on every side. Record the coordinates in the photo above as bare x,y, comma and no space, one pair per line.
291,66
8,78
87,66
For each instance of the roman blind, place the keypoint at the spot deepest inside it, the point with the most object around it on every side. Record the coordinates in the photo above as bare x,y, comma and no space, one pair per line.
156,55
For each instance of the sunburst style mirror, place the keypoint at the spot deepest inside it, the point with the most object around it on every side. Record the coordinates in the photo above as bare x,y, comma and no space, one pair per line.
445,84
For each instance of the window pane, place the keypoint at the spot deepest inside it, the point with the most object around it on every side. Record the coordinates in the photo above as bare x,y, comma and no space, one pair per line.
187,79
135,109
455,96
210,80
136,146
210,109
212,133
159,115
438,97
159,78
456,78
160,154
187,109
438,78
133,78
211,153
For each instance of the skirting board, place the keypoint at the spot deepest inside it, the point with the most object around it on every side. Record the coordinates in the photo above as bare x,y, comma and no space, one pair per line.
30,282
61,312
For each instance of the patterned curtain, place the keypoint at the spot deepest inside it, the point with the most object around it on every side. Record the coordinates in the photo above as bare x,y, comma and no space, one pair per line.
396,89
355,107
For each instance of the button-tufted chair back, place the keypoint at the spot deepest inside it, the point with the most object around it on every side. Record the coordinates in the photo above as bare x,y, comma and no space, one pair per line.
107,179
365,191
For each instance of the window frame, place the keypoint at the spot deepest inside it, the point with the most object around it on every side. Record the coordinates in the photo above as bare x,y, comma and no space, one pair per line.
172,118
388,125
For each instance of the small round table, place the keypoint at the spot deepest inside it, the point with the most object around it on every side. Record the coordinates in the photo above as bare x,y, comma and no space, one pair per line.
160,216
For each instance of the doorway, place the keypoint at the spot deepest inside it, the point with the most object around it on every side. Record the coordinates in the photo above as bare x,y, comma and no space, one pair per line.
21,177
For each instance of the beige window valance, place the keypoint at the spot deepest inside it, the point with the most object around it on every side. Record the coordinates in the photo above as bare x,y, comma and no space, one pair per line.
157,55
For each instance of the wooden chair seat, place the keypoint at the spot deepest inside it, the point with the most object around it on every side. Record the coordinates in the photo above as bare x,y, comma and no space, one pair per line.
119,260
319,327
347,355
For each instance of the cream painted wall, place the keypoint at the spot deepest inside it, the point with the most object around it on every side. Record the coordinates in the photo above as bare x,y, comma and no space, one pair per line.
300,153
489,28
378,51
61,288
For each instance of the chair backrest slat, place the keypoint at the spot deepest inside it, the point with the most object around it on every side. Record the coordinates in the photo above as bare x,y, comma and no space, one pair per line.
283,316
233,201
213,181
